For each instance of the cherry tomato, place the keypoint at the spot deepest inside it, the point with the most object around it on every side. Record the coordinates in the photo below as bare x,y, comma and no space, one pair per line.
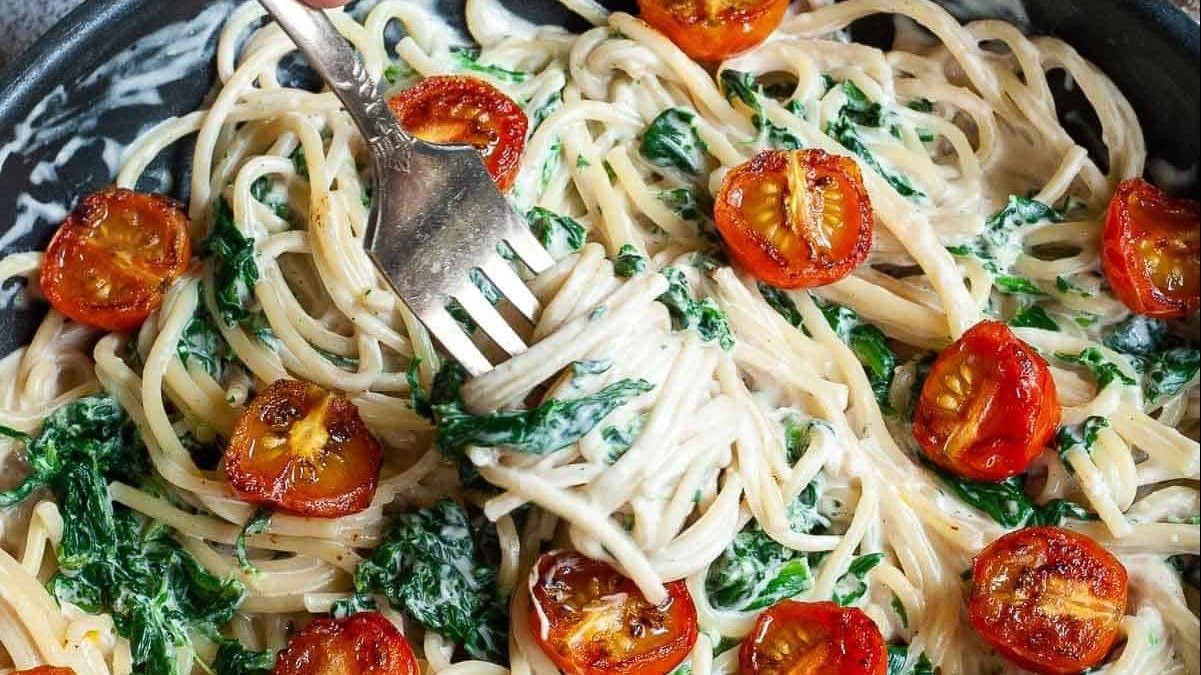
1048,599
45,670
795,219
465,110
813,638
114,257
988,407
713,30
592,620
361,644
1151,250
302,449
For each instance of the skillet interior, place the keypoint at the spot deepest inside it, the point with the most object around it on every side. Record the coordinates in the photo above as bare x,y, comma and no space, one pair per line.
1148,47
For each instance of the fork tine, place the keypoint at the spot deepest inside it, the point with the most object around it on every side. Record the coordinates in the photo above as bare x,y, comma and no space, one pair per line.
490,320
529,249
452,338
511,286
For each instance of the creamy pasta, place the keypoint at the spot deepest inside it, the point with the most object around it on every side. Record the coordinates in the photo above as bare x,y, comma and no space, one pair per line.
772,432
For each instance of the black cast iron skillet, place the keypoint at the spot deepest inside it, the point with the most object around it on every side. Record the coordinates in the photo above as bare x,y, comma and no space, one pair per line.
1147,46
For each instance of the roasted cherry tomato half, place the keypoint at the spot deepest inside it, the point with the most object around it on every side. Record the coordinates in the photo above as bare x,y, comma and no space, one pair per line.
813,638
795,219
1048,599
464,110
592,620
713,30
1151,250
111,261
361,644
305,450
46,670
988,407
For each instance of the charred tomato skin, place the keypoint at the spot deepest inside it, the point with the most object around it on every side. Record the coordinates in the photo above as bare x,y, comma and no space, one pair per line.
1145,225
361,644
754,211
302,449
1019,581
111,261
460,109
653,639
708,33
1012,406
813,638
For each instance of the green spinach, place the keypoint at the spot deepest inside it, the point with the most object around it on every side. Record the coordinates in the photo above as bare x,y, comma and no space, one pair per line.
1103,370
560,235
201,344
902,660
857,113
234,270
111,559
619,439
1033,316
431,564
258,523
234,659
1168,372
998,247
852,585
628,262
467,60
755,571
1008,505
1082,435
670,140
1167,365
745,87
551,426
687,312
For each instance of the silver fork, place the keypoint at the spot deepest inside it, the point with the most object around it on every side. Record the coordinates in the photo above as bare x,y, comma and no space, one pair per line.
436,215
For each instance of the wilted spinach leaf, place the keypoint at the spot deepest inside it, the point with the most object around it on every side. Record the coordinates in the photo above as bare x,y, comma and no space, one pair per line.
756,572
234,269
553,425
1033,316
687,312
851,585
844,128
430,565
467,59
234,659
670,140
1103,370
628,262
111,559
903,661
559,235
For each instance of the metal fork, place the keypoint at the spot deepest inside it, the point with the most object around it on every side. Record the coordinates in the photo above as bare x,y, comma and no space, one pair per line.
436,215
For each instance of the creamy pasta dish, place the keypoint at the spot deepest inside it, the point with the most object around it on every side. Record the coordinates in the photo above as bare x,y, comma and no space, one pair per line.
852,361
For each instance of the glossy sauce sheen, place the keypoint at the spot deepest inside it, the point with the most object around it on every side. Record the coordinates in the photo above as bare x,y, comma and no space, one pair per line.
112,260
466,110
795,219
591,620
988,407
1151,250
363,644
1048,599
709,30
305,450
813,638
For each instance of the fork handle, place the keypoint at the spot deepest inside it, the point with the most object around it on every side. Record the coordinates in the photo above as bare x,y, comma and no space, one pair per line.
340,66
